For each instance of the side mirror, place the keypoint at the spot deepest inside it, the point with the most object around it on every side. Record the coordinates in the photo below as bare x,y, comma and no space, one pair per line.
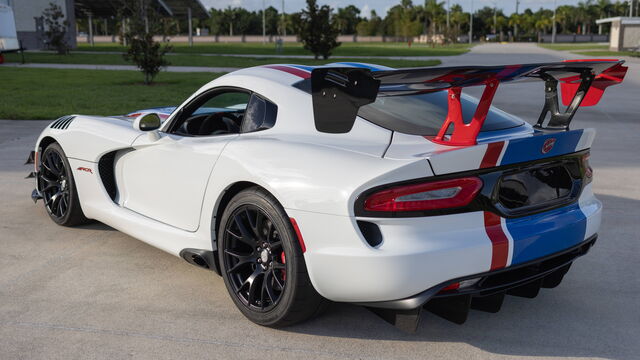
147,122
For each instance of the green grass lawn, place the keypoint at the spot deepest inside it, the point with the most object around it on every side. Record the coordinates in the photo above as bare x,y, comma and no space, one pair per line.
612,54
572,46
200,60
346,49
51,93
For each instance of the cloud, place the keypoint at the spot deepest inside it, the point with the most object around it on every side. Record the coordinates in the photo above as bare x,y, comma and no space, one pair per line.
365,11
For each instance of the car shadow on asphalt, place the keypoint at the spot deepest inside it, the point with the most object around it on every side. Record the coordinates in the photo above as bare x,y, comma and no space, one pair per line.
587,315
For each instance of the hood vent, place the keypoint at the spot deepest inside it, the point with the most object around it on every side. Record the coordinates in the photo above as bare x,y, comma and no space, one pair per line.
62,123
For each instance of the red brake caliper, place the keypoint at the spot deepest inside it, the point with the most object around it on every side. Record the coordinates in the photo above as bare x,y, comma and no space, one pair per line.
284,272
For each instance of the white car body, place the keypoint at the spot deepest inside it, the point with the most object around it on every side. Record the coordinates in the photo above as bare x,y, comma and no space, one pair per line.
170,187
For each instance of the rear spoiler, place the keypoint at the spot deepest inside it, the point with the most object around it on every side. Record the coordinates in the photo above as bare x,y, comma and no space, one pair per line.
338,92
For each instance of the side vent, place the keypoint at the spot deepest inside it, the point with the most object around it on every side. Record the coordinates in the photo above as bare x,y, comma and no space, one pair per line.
107,174
62,123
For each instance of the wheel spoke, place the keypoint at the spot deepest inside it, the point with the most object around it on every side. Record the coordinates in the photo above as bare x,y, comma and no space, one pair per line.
253,285
49,167
242,260
246,234
243,239
267,286
276,281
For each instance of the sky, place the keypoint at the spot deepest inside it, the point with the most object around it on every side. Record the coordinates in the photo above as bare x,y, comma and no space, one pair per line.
381,6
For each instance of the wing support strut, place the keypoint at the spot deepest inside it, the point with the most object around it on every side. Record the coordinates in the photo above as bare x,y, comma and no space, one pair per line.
465,134
560,120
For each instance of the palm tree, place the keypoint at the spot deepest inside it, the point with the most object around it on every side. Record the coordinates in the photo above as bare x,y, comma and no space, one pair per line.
515,20
458,18
563,15
433,11
603,9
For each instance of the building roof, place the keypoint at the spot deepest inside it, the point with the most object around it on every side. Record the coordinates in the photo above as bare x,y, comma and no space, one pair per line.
109,8
622,19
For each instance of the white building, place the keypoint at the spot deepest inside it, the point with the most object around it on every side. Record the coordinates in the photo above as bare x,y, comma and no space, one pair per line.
625,32
29,23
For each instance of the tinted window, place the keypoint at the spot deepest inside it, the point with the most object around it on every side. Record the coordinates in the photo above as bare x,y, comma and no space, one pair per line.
216,112
424,114
259,115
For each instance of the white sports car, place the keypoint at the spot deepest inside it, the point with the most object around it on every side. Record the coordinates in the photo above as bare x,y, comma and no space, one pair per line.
348,182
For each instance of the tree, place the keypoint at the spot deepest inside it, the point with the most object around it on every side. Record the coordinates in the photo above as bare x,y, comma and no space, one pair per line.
371,26
346,19
458,19
143,50
56,28
434,12
317,33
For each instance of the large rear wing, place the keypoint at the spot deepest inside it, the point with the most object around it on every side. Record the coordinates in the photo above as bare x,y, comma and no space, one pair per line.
338,92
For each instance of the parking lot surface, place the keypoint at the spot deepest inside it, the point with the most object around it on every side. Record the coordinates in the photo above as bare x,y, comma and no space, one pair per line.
94,293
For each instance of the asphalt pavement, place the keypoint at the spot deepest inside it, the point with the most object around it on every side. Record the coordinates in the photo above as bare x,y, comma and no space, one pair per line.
94,293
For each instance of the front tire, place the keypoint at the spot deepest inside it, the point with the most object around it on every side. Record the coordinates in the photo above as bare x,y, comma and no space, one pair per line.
262,263
58,188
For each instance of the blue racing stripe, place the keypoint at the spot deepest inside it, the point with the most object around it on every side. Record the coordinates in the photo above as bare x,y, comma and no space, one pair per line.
365,66
530,148
543,234
302,67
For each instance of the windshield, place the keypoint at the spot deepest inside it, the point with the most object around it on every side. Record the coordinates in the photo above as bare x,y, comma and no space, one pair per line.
424,114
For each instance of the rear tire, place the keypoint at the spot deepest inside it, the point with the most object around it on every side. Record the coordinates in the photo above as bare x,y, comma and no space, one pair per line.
262,263
58,188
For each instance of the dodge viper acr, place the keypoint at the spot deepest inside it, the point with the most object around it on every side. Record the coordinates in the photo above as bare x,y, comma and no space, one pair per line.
348,182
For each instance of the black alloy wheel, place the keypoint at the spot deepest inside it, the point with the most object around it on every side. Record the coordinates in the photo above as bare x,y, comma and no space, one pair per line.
54,182
58,189
254,258
262,262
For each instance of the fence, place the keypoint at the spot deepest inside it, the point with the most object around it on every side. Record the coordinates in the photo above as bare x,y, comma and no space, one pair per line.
241,38
570,38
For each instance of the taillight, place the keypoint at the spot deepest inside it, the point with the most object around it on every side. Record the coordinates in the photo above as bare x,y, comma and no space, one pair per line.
588,171
434,195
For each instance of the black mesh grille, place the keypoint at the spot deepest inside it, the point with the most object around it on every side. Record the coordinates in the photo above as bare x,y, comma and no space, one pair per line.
107,174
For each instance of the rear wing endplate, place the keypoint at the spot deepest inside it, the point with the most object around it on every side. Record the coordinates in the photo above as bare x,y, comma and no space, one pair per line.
338,92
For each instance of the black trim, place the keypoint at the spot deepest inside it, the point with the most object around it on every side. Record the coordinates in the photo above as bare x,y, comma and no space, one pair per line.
107,174
337,94
487,199
371,232
201,258
515,280
62,123
31,159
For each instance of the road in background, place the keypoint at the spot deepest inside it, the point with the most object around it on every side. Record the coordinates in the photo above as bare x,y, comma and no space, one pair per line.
95,293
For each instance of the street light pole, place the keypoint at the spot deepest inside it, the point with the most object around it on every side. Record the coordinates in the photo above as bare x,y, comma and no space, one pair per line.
471,24
495,19
553,31
284,21
515,25
448,11
264,25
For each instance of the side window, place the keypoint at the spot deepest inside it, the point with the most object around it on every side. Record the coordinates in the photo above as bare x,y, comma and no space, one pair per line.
260,114
213,113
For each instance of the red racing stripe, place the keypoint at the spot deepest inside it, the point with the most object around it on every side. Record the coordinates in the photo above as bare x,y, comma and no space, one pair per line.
499,240
291,70
490,158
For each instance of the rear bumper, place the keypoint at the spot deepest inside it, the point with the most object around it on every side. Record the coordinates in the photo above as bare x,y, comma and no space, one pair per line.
524,280
417,254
